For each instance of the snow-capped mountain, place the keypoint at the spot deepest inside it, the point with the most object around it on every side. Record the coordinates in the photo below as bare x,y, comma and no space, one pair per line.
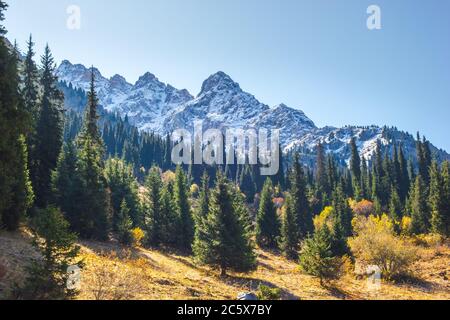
154,106
147,102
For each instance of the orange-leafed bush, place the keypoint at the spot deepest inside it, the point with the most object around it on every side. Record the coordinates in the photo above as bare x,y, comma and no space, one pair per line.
278,202
362,208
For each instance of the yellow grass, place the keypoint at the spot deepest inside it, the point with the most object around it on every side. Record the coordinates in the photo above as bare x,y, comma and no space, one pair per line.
114,272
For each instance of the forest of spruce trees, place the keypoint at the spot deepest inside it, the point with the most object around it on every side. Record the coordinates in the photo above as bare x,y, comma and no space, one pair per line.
92,174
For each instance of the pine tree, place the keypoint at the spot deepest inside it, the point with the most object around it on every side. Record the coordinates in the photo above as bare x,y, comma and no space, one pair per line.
322,182
300,204
48,278
395,208
289,244
124,224
247,183
15,190
94,207
436,201
49,131
123,185
186,223
66,184
169,219
316,256
355,167
30,94
342,226
404,182
267,221
22,192
419,207
225,244
153,185
203,208
445,178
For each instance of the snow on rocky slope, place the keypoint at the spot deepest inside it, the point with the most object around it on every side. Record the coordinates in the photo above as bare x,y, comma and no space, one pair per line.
154,106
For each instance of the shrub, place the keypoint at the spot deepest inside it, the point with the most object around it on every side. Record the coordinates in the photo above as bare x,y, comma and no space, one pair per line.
405,225
325,217
362,208
137,235
267,293
375,243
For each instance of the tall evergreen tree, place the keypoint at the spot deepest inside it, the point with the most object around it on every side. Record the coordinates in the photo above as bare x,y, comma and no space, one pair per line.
94,208
225,244
445,178
123,185
395,208
321,173
66,184
300,203
30,94
289,244
49,131
168,218
153,185
267,221
342,226
404,182
419,207
15,190
186,223
436,201
355,167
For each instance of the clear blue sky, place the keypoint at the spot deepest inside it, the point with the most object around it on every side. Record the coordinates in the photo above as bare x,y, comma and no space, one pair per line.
315,55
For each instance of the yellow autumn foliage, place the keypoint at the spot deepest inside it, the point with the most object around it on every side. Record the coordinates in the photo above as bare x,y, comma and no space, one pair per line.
376,243
324,218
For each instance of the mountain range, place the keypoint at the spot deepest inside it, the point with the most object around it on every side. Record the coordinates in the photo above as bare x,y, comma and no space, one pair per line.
152,105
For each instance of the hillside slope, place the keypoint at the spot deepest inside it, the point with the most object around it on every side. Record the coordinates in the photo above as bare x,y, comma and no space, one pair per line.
113,272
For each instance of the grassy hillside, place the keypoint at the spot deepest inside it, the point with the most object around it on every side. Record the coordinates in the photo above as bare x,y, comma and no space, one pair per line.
113,272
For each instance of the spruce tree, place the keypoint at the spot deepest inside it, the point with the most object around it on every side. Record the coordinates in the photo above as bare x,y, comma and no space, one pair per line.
66,184
355,167
419,207
30,94
247,183
300,203
15,190
49,131
395,208
203,208
124,224
342,226
436,201
153,219
225,245
182,206
445,178
48,277
289,244
322,182
168,217
267,221
123,185
404,182
94,207
316,256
